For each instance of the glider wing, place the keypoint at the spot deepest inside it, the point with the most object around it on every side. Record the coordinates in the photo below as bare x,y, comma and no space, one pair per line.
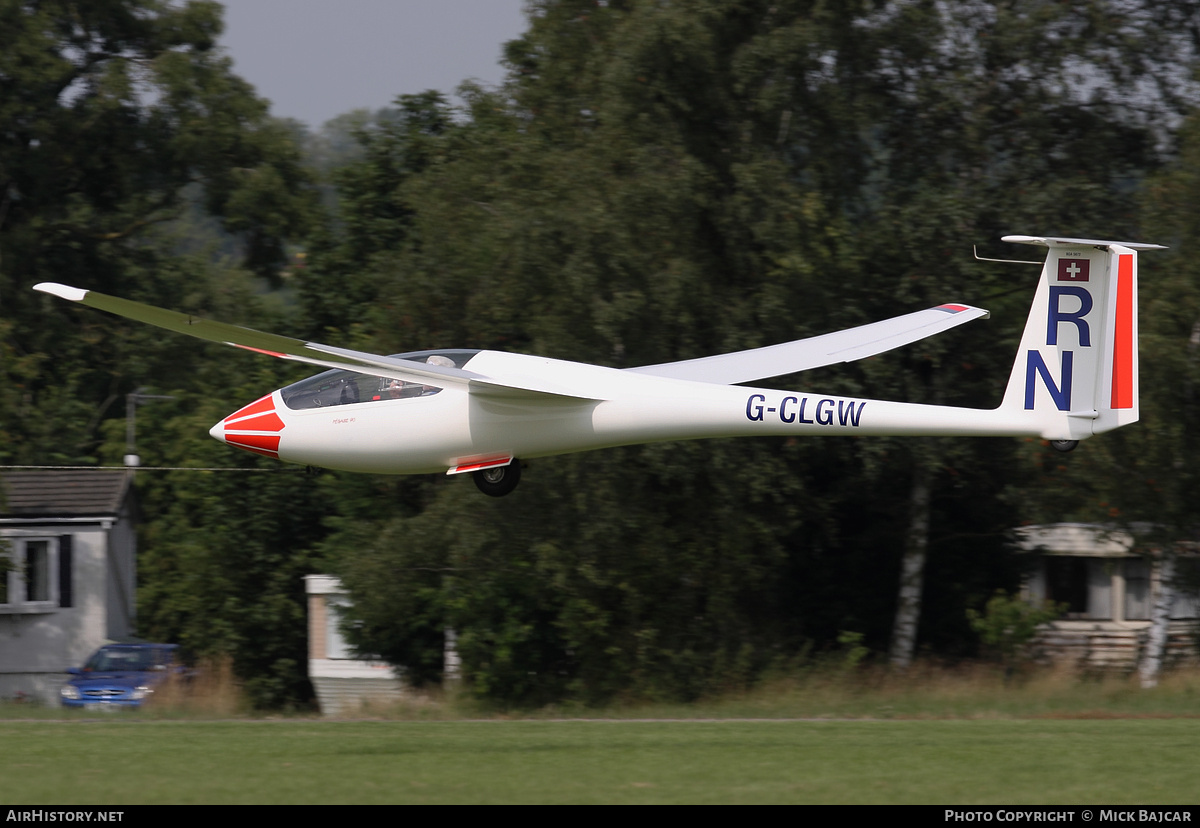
312,353
827,349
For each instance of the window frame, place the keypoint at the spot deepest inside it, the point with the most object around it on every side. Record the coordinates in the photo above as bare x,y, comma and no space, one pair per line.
16,550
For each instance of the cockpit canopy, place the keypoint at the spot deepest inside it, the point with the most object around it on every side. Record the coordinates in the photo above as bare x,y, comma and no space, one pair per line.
341,387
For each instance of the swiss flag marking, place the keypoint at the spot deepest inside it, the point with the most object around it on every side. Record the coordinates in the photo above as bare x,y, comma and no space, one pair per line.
1073,270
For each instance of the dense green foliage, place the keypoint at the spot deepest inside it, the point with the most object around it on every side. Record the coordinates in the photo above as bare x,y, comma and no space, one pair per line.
652,182
1009,623
107,113
126,144
660,182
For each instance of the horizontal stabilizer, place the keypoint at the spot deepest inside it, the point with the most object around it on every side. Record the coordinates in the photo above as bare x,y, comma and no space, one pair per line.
827,349
1058,241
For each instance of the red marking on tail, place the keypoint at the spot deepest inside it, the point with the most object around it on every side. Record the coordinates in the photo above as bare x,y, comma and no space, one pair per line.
1123,344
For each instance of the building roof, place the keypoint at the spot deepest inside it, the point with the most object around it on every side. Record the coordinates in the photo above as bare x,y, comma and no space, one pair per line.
63,493
1080,539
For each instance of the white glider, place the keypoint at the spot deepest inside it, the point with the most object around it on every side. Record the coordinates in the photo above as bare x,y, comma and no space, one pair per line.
458,411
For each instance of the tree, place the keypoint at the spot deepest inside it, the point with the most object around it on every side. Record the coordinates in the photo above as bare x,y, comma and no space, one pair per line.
975,107
1139,479
110,111
131,157
665,181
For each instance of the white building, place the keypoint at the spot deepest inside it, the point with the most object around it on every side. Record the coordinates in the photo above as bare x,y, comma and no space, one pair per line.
344,682
1109,586
70,542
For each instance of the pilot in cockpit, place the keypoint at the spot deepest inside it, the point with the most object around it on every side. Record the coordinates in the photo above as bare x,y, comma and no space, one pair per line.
398,389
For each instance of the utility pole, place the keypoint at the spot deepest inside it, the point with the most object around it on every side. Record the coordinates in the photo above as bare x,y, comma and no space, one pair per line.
132,401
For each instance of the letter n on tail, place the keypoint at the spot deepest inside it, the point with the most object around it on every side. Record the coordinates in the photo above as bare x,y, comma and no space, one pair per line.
1035,366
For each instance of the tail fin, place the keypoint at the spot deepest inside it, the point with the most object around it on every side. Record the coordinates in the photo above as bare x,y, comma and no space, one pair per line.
1076,373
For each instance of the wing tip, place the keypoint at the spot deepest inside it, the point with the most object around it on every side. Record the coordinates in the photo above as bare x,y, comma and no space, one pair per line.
959,307
73,294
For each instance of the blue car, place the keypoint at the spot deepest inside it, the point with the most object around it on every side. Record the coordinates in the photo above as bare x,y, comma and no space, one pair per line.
119,676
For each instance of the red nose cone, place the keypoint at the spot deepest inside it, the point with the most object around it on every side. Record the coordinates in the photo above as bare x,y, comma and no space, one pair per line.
254,428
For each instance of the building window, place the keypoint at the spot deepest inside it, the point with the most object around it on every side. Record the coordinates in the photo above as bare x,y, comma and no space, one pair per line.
38,576
1083,584
1098,589
37,570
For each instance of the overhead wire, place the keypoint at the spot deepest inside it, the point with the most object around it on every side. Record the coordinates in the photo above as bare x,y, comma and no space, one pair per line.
154,468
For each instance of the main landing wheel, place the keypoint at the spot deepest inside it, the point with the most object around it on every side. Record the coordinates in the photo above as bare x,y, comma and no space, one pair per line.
499,480
1064,445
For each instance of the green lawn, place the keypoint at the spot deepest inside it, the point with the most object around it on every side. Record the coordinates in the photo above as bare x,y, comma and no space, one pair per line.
998,761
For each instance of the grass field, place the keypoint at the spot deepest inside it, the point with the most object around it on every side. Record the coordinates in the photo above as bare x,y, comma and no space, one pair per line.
930,736
1130,761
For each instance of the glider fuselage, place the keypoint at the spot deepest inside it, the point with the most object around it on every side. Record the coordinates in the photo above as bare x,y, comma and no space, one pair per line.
453,426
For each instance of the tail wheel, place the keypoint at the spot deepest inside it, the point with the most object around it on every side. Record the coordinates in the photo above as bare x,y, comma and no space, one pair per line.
499,480
1064,445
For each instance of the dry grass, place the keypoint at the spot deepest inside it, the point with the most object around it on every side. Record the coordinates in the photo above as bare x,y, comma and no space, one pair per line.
925,691
818,690
211,689
933,691
432,704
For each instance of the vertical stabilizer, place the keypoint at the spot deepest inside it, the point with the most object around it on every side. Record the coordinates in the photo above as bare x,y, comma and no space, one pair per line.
1076,372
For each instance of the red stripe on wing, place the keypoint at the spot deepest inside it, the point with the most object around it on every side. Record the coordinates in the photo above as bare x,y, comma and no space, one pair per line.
257,350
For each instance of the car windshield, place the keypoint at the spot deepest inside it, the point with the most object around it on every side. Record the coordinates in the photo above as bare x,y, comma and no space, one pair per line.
128,660
341,387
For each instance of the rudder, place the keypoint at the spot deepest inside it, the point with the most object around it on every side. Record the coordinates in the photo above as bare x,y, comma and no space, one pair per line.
1076,372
